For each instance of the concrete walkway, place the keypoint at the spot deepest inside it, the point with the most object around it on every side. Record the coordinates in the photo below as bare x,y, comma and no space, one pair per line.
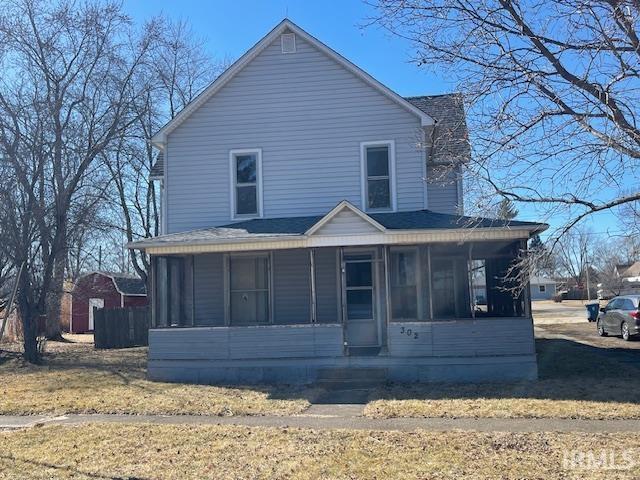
341,418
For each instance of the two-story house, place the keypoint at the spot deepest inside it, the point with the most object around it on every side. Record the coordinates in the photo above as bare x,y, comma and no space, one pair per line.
312,220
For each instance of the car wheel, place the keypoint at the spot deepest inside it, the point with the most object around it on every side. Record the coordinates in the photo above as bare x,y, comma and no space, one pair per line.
601,331
625,331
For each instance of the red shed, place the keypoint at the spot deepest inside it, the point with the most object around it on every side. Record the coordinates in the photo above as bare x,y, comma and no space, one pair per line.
103,290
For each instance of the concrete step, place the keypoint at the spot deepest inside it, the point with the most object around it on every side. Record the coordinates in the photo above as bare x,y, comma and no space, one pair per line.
364,351
346,384
344,398
359,374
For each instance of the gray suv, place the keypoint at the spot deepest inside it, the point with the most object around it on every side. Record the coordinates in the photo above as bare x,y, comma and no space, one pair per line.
621,316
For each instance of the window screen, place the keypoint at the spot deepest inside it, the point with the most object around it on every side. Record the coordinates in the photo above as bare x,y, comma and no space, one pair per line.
404,291
249,290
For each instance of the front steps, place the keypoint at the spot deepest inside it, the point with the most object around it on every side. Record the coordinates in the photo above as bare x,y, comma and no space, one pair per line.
351,378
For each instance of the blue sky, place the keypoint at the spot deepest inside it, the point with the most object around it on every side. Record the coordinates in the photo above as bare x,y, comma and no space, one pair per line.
231,27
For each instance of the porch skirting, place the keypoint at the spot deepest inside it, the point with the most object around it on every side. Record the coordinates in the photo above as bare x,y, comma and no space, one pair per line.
306,370
464,350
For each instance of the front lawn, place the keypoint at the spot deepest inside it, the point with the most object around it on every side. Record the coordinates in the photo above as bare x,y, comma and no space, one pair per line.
179,451
75,378
576,381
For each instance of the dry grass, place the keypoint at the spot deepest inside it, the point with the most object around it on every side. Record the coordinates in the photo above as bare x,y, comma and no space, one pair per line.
75,378
576,381
221,452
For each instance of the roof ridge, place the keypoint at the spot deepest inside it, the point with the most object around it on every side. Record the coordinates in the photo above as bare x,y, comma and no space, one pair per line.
434,95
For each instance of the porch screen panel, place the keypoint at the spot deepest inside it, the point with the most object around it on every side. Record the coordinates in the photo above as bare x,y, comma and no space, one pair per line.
249,290
161,292
209,289
292,287
327,296
404,285
175,273
443,282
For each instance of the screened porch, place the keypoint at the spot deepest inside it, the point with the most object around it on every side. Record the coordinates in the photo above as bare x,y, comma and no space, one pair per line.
363,289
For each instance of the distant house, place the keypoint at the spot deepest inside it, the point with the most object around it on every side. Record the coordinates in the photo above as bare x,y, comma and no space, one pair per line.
103,290
629,273
542,288
624,281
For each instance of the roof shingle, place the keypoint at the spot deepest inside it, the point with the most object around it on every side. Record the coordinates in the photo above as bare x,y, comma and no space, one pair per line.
450,140
157,169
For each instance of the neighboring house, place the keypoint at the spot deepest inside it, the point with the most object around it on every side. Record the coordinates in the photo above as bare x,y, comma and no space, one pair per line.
625,280
312,221
631,274
103,290
542,288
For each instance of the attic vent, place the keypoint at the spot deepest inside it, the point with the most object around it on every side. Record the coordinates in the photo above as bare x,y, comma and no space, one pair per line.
288,42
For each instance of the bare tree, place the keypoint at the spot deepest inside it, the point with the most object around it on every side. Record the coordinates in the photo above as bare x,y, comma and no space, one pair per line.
552,90
506,210
575,253
68,73
178,70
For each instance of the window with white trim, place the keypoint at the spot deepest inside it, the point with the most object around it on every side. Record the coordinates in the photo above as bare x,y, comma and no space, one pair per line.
378,164
246,172
542,288
249,290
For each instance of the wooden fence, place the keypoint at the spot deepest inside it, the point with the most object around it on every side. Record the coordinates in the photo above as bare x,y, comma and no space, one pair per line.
121,327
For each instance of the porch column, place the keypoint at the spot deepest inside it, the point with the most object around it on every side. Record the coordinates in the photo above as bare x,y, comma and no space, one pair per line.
153,291
312,272
387,283
526,292
429,281
471,271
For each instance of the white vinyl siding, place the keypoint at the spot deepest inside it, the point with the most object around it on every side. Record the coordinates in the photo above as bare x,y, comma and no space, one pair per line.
444,189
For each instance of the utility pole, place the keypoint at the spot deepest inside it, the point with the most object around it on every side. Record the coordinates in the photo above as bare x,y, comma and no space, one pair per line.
588,285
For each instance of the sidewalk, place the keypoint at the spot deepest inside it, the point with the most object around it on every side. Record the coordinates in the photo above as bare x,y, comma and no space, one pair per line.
341,417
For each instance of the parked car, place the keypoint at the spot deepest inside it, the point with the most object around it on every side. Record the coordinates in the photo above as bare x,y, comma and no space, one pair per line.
621,316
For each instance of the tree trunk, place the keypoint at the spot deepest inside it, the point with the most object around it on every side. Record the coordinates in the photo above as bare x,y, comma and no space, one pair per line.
54,300
29,316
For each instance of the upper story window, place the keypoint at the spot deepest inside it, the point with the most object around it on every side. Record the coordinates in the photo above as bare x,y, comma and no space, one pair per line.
246,183
378,175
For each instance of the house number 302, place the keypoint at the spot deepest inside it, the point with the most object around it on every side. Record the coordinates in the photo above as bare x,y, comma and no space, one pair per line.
408,332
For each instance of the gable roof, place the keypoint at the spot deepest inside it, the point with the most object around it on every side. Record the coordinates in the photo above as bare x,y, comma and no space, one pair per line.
342,206
267,229
157,169
285,25
125,283
632,270
413,220
535,280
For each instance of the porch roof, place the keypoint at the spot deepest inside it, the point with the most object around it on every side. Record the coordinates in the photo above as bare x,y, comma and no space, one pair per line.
303,232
